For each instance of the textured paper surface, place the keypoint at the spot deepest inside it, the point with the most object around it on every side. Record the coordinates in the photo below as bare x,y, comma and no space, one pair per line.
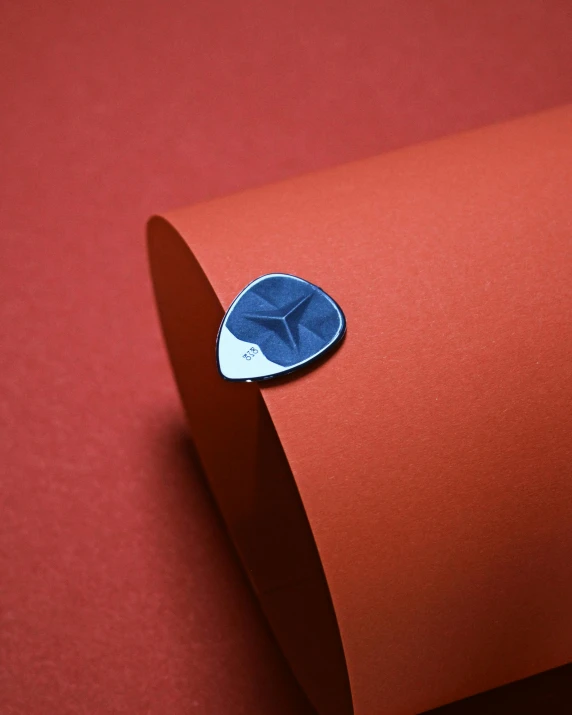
118,589
432,452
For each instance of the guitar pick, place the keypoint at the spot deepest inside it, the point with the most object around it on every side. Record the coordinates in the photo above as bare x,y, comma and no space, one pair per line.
279,323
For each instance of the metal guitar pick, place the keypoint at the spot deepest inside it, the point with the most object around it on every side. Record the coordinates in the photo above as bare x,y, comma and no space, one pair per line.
277,324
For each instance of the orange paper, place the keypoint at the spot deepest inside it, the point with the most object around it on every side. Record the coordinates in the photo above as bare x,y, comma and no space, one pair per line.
403,510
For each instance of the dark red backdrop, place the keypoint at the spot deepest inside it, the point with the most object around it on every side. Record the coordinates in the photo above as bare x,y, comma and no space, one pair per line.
119,591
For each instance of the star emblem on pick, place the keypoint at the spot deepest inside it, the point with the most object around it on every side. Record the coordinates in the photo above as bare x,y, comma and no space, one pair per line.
278,324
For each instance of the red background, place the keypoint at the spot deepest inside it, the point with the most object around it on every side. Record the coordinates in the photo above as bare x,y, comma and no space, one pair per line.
119,590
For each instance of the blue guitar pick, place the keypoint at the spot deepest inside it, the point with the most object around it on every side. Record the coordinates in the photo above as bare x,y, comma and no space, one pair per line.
277,324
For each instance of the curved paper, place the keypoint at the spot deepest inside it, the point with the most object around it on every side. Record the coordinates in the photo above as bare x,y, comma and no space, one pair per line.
426,466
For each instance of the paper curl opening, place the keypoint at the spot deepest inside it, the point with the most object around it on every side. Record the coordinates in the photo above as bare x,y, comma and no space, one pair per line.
249,475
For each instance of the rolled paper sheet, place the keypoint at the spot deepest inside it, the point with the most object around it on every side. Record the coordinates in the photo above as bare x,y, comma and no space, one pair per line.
404,508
